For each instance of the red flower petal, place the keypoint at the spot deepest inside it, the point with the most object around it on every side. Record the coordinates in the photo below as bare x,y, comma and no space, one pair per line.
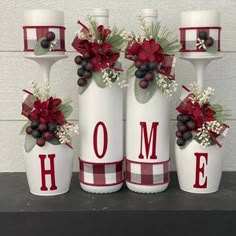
106,47
142,56
37,104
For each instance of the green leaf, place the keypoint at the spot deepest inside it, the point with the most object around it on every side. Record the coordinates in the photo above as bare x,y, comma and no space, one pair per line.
144,95
54,141
98,79
163,42
213,48
130,71
66,109
30,142
216,107
23,130
38,50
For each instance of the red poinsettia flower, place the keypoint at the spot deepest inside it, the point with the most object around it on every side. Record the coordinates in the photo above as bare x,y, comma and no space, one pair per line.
102,32
148,50
101,48
82,46
132,50
103,56
198,114
202,114
47,112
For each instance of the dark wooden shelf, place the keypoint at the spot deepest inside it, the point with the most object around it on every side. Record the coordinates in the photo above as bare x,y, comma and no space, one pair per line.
172,212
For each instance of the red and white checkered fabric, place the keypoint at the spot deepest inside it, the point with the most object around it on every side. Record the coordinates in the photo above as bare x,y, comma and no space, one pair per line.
33,33
168,66
101,174
189,38
28,104
150,174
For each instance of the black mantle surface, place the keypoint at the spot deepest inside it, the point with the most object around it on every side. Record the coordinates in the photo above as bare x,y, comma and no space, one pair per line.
172,212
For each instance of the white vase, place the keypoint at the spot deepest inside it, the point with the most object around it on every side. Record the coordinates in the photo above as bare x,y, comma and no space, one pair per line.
101,132
49,169
199,169
147,142
101,139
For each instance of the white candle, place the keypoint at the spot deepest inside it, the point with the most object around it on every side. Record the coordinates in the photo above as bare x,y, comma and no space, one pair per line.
209,18
101,16
43,17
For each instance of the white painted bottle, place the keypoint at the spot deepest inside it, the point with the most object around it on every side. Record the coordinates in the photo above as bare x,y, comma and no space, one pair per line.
101,132
147,137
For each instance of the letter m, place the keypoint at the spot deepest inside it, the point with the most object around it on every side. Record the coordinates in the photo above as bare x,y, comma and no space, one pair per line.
149,143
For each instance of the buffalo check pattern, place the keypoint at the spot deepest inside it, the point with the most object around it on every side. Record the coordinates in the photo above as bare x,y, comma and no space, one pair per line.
33,33
150,174
101,174
189,38
168,66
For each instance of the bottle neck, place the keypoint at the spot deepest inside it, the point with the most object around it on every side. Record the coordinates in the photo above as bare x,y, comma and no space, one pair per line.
150,16
101,20
101,16
150,20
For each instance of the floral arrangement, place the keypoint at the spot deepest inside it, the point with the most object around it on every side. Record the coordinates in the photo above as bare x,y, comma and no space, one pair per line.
199,119
153,57
45,44
99,49
46,116
206,42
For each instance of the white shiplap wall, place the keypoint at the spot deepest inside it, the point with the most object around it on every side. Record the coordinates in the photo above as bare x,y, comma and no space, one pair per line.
15,71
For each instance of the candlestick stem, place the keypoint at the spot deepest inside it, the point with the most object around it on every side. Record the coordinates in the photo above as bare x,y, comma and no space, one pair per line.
46,63
200,65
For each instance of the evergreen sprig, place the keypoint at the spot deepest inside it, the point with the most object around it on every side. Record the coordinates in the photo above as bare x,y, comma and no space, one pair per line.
163,36
116,39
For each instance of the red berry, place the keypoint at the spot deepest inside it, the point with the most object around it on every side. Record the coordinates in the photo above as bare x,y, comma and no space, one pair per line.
36,133
82,82
80,72
191,125
29,130
50,36
42,127
86,55
183,128
47,135
40,142
45,43
35,124
88,66
78,60
143,84
209,42
180,142
137,64
179,123
178,134
203,35
187,135
180,117
149,76
87,74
